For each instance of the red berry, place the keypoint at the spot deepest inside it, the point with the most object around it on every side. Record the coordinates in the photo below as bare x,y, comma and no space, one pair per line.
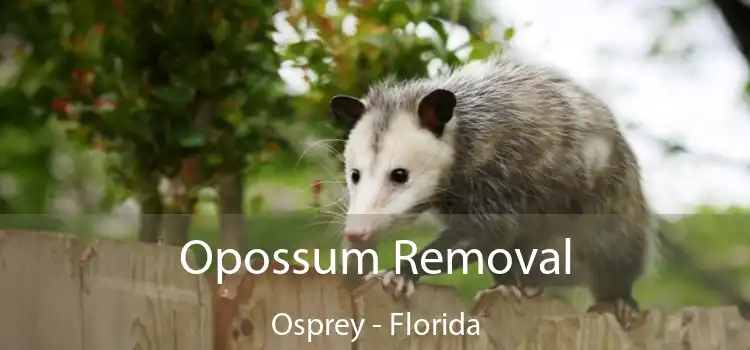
189,168
61,105
99,27
317,187
251,22
117,4
83,78
326,23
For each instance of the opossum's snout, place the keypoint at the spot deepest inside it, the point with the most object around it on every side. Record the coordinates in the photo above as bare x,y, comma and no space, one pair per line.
381,203
377,203
367,219
356,237
363,227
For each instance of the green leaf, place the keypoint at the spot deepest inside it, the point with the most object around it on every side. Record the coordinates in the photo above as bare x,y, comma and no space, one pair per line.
378,40
192,139
510,32
478,51
174,95
388,9
221,33
297,49
399,20
438,26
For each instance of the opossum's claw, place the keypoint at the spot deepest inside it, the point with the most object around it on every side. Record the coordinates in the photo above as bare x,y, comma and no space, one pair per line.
402,284
624,310
511,291
372,275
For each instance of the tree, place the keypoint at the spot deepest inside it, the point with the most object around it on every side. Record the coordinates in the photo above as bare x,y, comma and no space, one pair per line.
383,45
182,90
188,91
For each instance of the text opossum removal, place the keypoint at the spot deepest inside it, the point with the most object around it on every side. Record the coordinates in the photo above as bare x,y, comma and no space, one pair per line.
257,261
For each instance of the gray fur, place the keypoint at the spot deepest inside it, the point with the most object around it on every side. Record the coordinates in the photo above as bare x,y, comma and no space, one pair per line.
520,177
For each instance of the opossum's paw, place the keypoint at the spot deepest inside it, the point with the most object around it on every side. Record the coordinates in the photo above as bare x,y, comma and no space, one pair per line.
403,285
625,311
512,291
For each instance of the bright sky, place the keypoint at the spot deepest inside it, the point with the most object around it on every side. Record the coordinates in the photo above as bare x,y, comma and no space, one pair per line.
604,43
697,101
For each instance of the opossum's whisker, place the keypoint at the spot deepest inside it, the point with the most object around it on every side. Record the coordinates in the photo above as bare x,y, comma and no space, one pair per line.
327,210
334,214
323,144
323,183
338,227
338,204
333,150
332,218
342,184
319,223
329,182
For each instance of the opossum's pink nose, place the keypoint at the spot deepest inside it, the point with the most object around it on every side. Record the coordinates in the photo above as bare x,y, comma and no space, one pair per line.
355,237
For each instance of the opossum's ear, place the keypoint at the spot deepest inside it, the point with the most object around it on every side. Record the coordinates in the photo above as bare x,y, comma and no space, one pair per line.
346,110
436,109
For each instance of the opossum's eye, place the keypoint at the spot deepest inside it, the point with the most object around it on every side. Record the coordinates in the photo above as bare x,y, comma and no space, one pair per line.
355,176
400,176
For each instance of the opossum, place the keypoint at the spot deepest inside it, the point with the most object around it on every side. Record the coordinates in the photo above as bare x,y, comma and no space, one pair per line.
508,155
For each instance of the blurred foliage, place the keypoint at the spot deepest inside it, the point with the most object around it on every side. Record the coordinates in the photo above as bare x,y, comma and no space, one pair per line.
179,89
191,90
343,57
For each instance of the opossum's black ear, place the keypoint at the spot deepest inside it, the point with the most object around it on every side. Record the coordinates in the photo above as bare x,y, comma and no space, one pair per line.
436,109
346,110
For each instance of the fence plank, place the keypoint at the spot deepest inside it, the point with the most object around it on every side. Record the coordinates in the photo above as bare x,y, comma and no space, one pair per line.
587,332
708,328
401,323
649,333
247,305
139,296
56,294
508,323
39,288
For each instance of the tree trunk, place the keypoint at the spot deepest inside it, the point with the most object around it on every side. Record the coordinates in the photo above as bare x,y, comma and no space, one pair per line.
151,218
151,208
176,228
231,219
176,224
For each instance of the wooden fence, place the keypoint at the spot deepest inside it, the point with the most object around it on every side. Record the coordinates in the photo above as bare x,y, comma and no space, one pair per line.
58,294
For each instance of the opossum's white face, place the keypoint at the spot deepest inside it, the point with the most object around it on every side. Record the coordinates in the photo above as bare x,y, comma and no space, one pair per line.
394,162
